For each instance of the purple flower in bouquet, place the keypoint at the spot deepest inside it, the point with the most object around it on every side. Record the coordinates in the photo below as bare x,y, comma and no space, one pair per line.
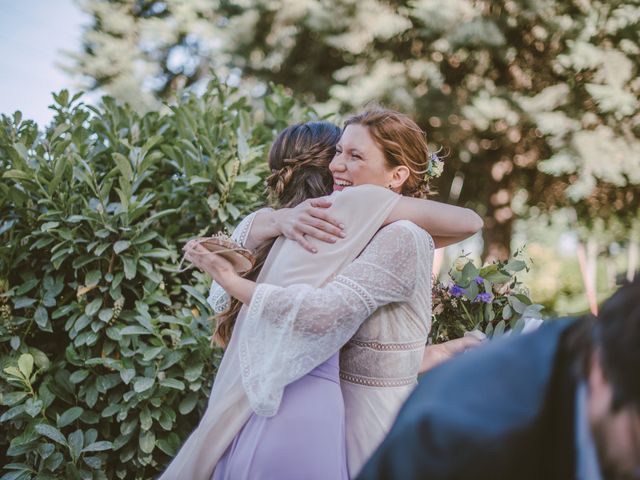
485,297
456,290
479,280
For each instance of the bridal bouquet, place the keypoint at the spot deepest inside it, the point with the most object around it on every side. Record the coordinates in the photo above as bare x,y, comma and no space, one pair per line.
489,299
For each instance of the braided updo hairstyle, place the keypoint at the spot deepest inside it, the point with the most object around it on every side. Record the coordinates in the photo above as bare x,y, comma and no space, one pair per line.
299,160
403,143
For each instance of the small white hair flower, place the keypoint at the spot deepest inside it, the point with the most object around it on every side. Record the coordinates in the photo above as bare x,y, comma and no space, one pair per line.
435,166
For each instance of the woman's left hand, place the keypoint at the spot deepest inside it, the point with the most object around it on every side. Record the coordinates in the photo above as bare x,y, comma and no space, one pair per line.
436,354
220,269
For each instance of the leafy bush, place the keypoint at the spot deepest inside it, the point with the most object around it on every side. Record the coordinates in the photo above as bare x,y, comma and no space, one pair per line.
105,362
490,299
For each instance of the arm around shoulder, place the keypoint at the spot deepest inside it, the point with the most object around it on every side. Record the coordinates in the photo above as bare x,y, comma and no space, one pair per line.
447,224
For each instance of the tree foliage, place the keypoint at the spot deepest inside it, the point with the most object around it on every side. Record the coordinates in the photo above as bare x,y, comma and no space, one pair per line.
539,96
105,362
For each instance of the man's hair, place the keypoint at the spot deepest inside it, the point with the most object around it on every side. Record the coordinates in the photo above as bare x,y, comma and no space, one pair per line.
617,334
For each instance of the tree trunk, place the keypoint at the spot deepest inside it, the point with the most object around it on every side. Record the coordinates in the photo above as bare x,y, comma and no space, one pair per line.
497,239
587,258
633,260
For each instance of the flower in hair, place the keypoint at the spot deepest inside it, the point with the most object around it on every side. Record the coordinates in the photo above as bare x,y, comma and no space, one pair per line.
435,167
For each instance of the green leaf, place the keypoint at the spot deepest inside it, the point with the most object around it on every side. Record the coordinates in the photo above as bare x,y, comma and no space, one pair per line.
105,314
23,474
92,308
12,413
166,446
22,302
188,403
193,371
498,277
13,371
78,376
147,441
33,407
25,363
59,130
49,226
98,447
499,330
145,419
121,246
51,433
26,287
46,449
127,375
533,311
92,278
515,265
172,383
195,180
94,463
124,166
469,273
11,398
196,294
130,266
143,384
111,410
53,462
69,416
152,353
76,440
134,330
41,317
17,175
517,305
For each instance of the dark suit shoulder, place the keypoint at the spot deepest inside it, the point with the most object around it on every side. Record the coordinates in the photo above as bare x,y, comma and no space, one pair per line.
477,416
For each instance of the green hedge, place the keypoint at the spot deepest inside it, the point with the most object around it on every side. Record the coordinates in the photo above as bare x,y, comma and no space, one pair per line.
105,363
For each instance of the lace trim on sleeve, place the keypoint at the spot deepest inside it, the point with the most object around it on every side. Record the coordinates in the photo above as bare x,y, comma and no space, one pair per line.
218,299
241,232
366,298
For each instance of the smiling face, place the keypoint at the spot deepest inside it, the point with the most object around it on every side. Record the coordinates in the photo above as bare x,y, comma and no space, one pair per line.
385,148
359,160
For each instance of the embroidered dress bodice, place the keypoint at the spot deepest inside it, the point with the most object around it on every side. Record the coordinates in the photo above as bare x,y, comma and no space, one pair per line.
379,365
387,349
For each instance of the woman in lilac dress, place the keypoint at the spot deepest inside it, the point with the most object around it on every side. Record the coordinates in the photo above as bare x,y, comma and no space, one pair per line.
296,429
309,427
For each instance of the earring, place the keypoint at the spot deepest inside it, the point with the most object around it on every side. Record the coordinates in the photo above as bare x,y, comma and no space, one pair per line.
390,188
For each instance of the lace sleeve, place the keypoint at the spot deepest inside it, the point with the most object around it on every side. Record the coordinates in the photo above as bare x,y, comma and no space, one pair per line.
218,298
291,330
243,231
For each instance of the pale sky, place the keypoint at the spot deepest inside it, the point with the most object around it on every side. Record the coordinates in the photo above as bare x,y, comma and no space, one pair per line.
32,35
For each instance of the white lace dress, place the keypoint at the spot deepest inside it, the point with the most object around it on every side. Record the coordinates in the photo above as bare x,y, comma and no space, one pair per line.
379,365
380,304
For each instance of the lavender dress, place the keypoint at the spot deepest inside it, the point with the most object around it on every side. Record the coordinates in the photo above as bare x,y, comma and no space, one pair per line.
305,440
